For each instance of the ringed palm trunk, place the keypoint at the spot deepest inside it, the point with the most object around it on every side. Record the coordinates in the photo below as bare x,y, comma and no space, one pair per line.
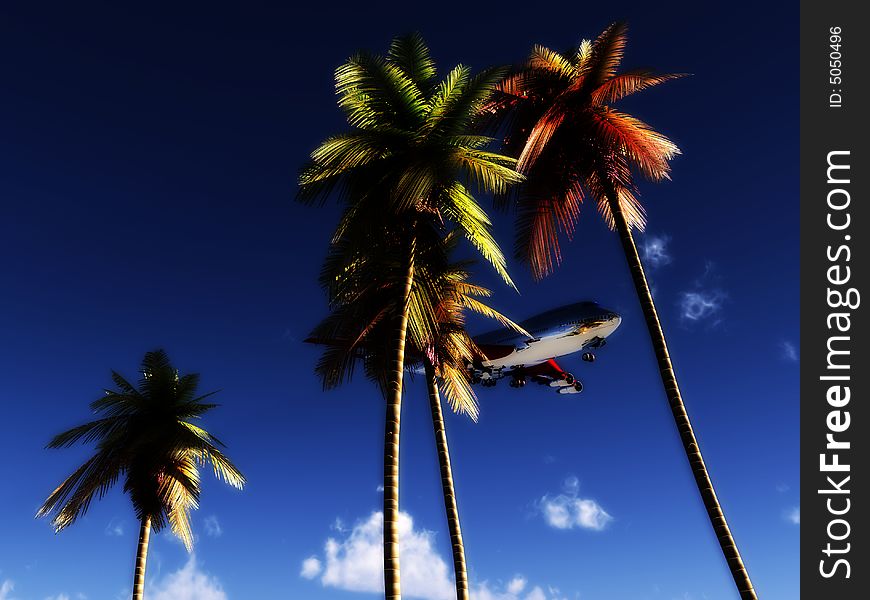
448,490
141,555
681,417
392,579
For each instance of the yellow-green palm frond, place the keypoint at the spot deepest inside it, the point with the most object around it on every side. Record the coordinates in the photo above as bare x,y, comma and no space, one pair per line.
482,309
376,94
458,391
411,54
473,221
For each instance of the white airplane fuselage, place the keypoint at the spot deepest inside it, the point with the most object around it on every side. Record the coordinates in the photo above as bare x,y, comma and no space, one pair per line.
555,333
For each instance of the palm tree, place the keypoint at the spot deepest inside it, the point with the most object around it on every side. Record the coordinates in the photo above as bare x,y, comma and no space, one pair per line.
402,173
147,435
441,347
572,143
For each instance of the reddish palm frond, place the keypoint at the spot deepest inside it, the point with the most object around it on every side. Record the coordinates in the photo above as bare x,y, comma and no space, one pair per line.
607,52
625,84
619,183
541,133
546,208
647,149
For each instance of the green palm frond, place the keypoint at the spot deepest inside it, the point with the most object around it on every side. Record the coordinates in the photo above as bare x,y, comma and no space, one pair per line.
411,54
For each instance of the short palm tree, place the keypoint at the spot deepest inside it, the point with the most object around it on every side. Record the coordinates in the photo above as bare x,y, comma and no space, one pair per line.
403,173
440,345
146,434
572,143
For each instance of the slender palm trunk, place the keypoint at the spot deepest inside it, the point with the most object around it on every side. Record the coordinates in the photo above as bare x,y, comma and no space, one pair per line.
684,426
141,555
450,506
392,579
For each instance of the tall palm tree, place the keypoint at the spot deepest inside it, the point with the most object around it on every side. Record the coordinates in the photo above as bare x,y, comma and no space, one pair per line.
402,173
146,433
572,143
441,347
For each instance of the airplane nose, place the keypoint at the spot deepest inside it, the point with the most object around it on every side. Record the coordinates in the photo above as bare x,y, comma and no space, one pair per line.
615,319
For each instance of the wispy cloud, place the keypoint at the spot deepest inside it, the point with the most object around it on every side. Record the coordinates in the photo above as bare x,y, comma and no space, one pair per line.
654,251
187,583
354,563
569,511
789,351
58,597
115,528
212,526
6,589
793,515
702,303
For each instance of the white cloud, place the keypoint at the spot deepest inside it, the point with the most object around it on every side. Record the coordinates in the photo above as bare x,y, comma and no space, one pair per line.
356,561
789,351
567,510
187,583
516,585
311,567
485,592
6,589
794,515
536,594
700,305
654,251
212,526
58,597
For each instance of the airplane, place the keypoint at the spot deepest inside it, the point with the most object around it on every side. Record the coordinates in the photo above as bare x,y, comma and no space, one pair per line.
555,333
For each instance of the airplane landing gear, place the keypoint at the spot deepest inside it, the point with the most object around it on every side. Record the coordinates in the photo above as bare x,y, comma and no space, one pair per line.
518,382
588,357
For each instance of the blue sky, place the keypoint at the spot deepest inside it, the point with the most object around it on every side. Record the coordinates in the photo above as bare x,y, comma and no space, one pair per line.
147,171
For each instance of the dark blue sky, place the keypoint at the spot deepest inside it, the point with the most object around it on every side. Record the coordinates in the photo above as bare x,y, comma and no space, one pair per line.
147,171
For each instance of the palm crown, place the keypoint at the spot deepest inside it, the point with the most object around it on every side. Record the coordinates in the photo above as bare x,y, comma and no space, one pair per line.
410,153
145,434
571,142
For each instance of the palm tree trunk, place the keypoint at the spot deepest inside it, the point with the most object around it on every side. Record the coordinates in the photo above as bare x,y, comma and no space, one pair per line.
681,418
392,580
141,555
450,506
